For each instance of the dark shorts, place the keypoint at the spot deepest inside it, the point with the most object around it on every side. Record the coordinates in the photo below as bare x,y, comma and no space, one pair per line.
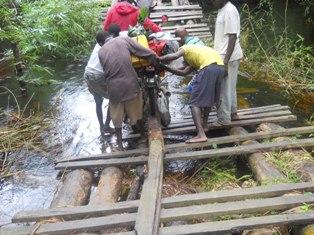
97,85
206,86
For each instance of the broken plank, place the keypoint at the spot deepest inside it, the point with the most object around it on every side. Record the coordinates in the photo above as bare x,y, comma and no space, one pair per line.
168,202
236,225
240,150
241,117
248,122
101,163
239,138
238,207
119,154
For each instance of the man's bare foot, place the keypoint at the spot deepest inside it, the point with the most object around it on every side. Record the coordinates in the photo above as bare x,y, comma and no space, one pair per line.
205,127
196,139
235,116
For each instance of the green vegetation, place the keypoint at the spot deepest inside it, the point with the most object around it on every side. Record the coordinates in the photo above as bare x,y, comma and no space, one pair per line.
42,30
271,53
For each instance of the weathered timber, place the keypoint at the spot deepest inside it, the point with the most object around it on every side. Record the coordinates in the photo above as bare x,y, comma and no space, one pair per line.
75,189
190,212
136,184
175,14
140,160
241,117
186,26
305,168
238,207
211,141
176,8
192,30
168,202
223,227
179,18
108,188
263,170
119,154
248,122
205,154
239,150
147,221
238,137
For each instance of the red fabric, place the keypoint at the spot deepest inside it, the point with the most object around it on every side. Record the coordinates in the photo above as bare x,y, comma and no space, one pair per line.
123,14
157,46
149,24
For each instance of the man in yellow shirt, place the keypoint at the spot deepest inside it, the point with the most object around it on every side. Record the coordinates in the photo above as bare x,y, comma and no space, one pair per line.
205,85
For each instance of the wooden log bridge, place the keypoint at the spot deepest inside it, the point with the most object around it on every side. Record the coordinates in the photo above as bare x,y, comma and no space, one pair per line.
204,213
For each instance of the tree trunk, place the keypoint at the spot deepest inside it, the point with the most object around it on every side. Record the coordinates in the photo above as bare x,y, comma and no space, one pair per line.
75,189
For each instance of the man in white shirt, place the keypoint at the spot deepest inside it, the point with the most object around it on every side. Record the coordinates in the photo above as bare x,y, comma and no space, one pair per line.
96,82
226,42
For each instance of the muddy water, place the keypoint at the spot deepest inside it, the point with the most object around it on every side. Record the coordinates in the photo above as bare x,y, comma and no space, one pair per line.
74,131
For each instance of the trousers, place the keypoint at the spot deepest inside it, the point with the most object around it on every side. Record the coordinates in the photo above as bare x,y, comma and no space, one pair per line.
228,94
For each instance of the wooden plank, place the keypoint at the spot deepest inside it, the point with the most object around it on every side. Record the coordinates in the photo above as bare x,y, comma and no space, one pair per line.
186,26
241,117
175,14
238,207
119,154
228,226
101,163
249,122
239,138
195,30
241,112
179,18
236,194
205,154
241,150
168,202
148,215
77,212
175,8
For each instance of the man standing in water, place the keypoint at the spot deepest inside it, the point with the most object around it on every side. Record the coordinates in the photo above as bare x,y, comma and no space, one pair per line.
124,92
206,84
226,42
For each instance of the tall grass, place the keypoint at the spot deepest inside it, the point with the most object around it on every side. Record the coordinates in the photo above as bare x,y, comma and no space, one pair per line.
272,54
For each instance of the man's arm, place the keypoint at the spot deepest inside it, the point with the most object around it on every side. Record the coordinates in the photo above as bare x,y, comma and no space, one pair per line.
231,44
172,56
180,72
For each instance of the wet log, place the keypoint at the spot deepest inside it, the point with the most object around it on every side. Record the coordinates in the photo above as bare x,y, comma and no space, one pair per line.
75,189
108,188
136,184
305,168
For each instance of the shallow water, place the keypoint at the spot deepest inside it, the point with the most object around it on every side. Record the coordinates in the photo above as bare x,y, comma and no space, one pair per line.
74,126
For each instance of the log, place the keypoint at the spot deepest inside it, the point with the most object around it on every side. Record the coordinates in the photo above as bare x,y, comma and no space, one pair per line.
306,167
108,188
75,189
136,184
263,170
148,216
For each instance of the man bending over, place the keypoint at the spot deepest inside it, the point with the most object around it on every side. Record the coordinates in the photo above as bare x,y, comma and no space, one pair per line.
206,84
125,96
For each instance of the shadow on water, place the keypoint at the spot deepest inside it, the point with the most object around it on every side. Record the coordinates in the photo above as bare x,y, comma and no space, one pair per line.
74,127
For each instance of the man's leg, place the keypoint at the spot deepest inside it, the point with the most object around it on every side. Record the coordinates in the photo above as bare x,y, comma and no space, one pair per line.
205,114
107,127
98,102
233,76
197,118
117,114
224,109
